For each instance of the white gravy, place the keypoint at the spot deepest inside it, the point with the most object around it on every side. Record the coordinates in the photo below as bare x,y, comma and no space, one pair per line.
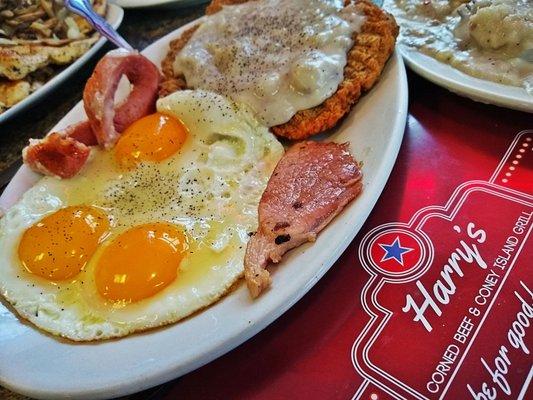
482,38
276,56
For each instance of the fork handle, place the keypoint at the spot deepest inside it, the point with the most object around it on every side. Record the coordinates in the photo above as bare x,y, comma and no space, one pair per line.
83,8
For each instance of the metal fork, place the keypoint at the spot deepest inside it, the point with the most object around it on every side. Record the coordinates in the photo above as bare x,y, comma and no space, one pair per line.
84,9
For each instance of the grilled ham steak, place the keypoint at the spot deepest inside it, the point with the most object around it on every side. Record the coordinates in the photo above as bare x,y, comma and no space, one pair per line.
310,185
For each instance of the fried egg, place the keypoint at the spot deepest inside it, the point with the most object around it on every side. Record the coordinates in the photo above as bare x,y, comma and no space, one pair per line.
150,231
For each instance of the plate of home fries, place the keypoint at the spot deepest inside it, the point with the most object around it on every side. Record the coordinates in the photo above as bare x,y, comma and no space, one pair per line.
41,45
199,190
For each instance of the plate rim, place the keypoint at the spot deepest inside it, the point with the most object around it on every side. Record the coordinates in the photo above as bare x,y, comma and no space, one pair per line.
151,379
466,85
67,72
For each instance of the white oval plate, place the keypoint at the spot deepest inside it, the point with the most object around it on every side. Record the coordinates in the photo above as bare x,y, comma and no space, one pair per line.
41,366
114,17
465,85
158,3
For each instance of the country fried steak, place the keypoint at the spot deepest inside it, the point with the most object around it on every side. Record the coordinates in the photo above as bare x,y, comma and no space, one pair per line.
365,62
311,184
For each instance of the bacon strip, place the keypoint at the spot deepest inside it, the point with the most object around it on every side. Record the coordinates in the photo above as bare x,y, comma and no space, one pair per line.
82,132
99,94
63,154
56,155
311,184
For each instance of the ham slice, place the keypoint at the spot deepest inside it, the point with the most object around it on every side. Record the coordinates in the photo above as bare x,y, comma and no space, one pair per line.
108,122
82,132
311,184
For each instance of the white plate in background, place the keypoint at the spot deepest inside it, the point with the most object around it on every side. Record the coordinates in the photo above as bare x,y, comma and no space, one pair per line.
114,17
458,82
465,85
41,366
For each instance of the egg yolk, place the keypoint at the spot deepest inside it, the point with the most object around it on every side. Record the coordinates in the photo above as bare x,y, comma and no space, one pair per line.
140,262
59,246
151,138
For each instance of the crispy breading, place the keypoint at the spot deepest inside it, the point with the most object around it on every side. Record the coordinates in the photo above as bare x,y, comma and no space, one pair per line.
216,5
171,83
366,59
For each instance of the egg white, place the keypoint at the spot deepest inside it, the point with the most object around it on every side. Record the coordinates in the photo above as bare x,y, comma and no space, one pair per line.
211,188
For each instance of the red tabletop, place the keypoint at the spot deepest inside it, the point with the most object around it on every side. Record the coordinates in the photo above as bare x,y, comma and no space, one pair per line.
310,352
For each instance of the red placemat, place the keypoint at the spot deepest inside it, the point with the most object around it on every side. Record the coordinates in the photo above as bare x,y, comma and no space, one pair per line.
433,299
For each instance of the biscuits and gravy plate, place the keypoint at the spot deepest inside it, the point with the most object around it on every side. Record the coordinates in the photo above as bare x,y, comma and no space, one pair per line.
477,49
183,187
